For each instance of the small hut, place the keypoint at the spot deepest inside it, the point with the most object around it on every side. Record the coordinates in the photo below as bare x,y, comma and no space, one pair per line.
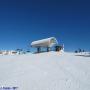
45,43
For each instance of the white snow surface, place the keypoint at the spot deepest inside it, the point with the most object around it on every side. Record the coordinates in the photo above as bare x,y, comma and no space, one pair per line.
45,71
44,42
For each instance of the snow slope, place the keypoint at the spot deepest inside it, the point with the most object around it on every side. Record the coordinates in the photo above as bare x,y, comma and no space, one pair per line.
46,71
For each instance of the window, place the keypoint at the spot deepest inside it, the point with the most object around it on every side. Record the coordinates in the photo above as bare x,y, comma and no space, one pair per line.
53,41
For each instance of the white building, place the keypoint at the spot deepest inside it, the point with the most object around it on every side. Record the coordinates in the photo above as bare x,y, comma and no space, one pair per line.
48,42
8,52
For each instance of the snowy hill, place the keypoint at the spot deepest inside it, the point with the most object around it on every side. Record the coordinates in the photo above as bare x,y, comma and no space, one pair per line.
46,71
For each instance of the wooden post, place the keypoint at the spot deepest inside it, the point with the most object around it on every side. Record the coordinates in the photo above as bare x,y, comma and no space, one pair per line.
48,49
38,49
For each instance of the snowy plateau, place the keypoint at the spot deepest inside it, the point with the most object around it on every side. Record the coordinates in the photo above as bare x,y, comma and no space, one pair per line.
45,71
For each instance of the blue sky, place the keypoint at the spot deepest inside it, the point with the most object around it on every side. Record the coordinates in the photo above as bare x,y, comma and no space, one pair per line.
22,21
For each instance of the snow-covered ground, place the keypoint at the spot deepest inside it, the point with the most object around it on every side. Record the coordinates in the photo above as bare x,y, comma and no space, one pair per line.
45,71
